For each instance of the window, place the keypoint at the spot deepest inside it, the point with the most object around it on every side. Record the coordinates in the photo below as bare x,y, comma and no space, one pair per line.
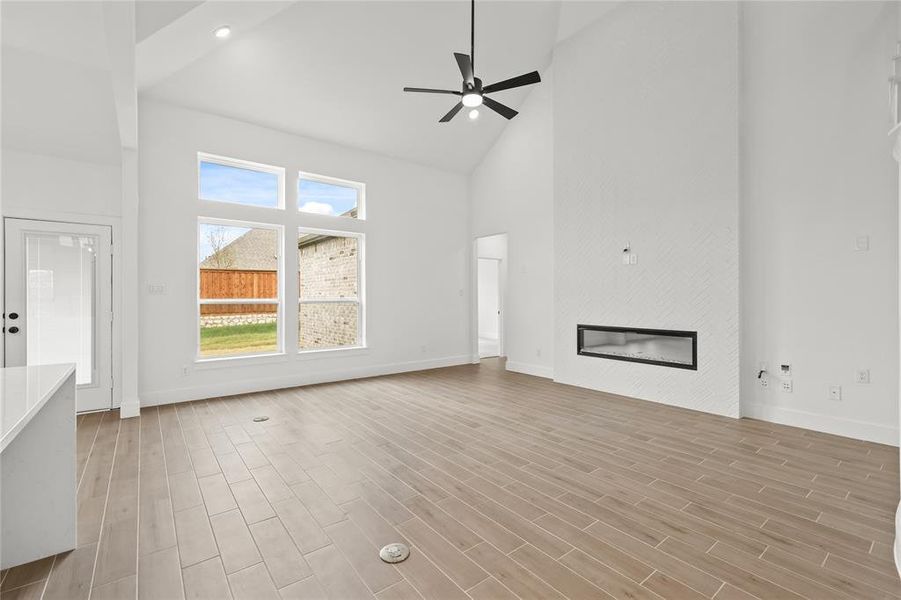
239,269
240,182
329,312
329,196
247,241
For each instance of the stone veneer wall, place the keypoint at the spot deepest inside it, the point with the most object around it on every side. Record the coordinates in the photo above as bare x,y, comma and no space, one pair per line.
225,320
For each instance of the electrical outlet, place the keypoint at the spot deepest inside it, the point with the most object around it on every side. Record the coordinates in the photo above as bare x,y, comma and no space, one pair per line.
787,385
633,259
863,376
835,393
764,381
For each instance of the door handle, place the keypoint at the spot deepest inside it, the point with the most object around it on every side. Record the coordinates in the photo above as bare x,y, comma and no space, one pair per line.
13,329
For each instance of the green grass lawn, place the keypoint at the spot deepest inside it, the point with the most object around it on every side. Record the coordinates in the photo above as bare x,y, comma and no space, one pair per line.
238,339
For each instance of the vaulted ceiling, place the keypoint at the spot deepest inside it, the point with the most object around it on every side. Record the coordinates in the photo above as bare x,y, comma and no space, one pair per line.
335,71
328,70
57,93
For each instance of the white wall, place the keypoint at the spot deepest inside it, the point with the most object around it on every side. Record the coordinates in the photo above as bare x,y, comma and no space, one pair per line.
646,153
489,298
417,256
817,172
60,146
512,191
36,184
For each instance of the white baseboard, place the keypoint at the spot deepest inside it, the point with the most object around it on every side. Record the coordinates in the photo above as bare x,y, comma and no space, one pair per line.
130,408
861,430
897,545
172,396
529,369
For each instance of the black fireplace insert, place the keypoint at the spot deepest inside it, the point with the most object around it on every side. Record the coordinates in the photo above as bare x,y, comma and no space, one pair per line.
665,347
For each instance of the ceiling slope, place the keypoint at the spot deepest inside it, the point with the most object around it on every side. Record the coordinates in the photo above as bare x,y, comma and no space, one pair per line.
335,71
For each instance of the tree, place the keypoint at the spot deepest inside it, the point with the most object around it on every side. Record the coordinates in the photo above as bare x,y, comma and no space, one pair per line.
222,256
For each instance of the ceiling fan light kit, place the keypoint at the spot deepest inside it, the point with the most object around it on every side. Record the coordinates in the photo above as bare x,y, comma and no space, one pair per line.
472,93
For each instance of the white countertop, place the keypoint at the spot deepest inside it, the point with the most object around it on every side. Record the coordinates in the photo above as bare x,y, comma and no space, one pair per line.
23,392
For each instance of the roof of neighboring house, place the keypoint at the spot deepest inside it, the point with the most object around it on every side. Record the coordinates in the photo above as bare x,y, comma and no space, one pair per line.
253,251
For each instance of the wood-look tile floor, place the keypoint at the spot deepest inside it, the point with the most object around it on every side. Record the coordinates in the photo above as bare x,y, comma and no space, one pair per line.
504,485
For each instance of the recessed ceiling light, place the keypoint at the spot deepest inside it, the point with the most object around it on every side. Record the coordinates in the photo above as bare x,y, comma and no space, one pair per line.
474,114
222,32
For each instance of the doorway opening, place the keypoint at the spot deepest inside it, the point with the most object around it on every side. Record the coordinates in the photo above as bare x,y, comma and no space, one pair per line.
491,279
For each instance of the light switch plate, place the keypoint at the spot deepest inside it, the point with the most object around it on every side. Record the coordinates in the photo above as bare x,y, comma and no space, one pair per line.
862,243
862,376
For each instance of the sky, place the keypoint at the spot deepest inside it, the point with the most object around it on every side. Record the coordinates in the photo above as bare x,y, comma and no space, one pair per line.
255,188
233,184
324,198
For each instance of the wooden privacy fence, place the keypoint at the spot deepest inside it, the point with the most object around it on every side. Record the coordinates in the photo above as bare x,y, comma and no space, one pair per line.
226,283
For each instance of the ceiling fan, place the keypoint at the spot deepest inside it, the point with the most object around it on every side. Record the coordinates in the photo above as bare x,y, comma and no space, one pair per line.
473,93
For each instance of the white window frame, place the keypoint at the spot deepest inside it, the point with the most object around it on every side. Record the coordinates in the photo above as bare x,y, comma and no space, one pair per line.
203,157
286,218
361,288
279,302
360,187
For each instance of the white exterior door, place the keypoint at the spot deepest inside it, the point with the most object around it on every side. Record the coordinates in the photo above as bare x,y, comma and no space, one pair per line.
59,302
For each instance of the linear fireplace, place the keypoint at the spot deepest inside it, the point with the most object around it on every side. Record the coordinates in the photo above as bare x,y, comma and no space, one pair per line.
665,347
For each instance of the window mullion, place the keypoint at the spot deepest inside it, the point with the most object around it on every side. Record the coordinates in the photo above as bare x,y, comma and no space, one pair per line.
292,267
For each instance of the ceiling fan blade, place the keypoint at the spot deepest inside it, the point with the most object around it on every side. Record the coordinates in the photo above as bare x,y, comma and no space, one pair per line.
452,113
514,82
431,91
504,111
465,64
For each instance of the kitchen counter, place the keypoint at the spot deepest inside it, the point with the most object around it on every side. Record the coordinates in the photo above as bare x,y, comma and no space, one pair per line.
23,392
38,505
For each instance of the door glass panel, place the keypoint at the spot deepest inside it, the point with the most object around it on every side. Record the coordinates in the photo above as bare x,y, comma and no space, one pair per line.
60,300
